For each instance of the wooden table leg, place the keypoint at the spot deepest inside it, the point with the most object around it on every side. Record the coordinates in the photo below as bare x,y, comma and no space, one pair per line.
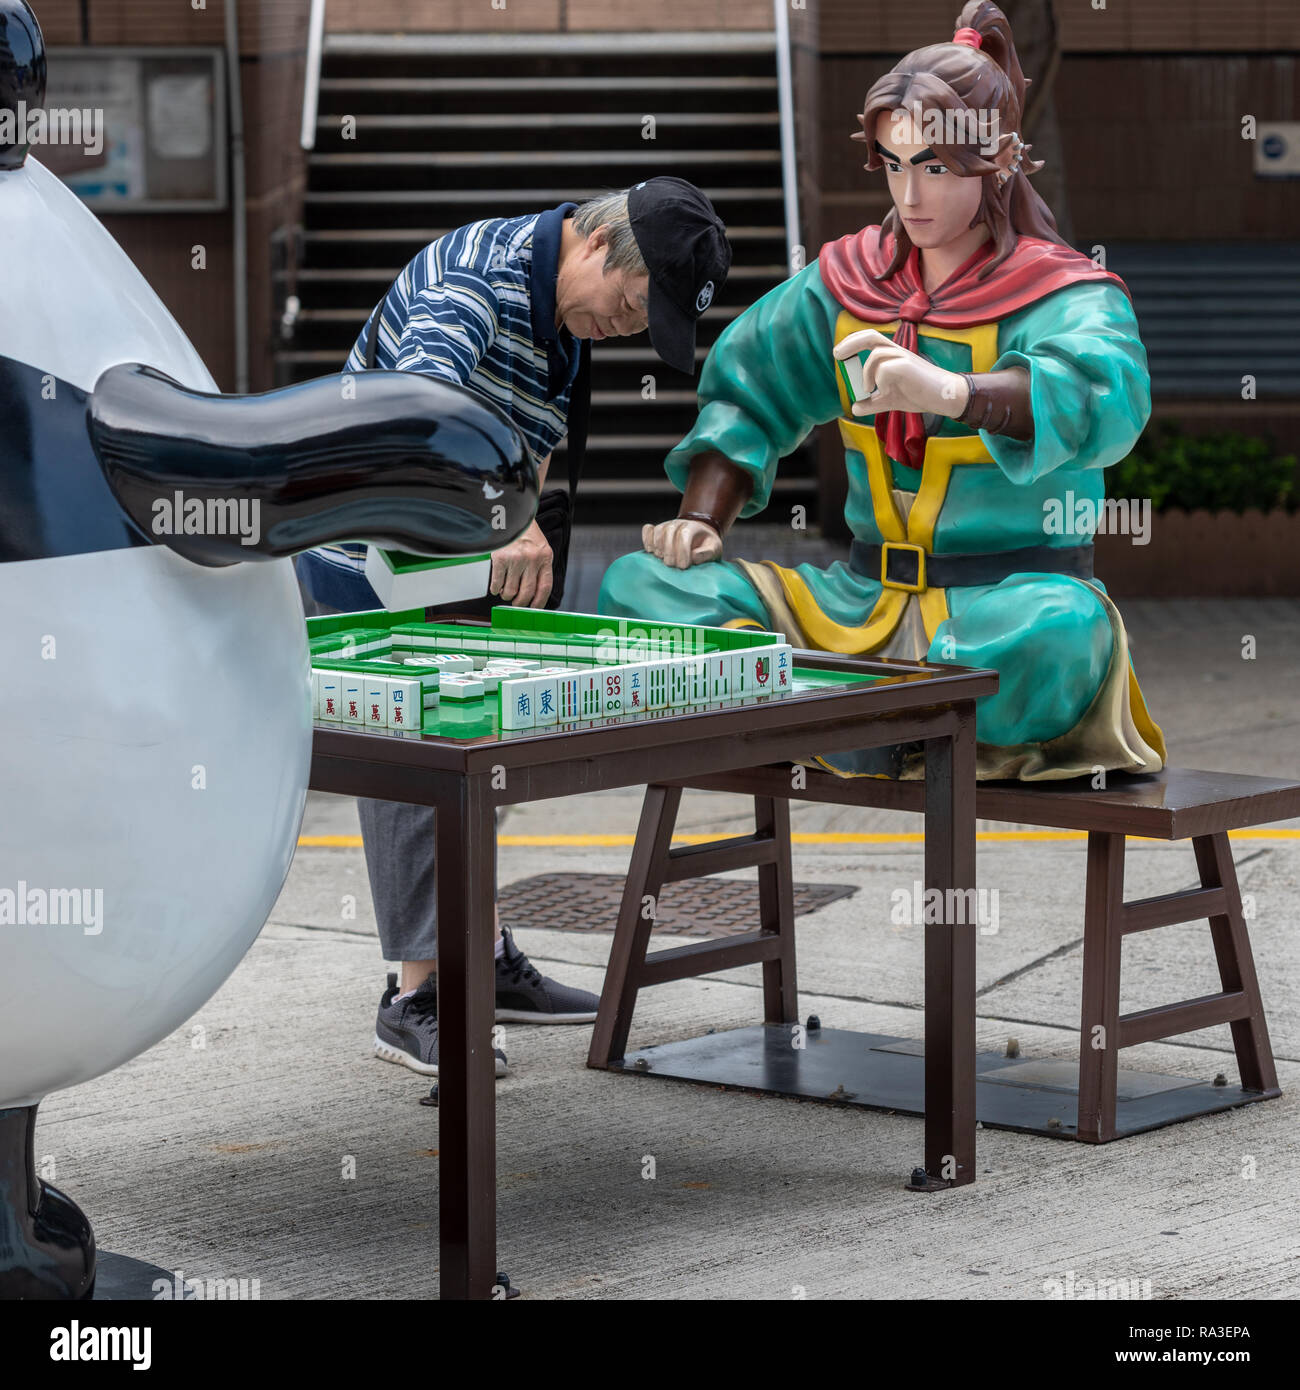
632,933
776,911
950,955
465,829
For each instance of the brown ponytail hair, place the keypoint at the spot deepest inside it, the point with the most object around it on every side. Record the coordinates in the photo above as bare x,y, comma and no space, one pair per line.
959,77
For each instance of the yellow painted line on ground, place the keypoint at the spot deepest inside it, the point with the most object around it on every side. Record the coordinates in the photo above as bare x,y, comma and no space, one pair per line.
798,837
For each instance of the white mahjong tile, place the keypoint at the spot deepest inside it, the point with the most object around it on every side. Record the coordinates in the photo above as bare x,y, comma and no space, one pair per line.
474,644
546,700
351,697
719,666
679,683
376,702
459,685
612,682
569,688
697,674
404,702
589,692
634,688
783,664
517,704
315,693
330,707
656,684
763,680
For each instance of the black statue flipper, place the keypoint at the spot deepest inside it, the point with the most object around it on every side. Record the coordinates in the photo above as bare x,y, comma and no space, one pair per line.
48,1249
397,458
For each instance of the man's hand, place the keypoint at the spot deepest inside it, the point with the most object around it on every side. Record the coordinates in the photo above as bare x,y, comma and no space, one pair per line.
521,571
896,379
682,543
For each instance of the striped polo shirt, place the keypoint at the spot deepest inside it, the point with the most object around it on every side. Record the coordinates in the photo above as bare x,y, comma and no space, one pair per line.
477,307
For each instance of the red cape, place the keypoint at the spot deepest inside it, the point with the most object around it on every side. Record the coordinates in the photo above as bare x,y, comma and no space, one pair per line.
1035,268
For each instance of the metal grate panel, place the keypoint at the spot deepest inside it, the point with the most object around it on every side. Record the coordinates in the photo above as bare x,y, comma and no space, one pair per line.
704,907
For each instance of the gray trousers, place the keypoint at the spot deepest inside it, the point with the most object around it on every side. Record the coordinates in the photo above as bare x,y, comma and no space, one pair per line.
398,840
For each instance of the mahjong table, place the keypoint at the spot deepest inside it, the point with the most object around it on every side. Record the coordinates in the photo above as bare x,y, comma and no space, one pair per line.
474,752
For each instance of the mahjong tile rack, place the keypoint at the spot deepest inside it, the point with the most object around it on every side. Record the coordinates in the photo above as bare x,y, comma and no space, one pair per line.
468,757
530,672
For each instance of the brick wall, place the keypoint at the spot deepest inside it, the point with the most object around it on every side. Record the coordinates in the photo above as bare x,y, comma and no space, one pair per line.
543,16
272,43
1151,145
1178,26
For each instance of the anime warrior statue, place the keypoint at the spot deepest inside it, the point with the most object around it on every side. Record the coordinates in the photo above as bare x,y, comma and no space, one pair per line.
981,371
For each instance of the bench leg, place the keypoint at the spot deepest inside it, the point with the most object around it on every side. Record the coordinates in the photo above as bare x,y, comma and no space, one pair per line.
645,877
1236,963
776,911
1103,935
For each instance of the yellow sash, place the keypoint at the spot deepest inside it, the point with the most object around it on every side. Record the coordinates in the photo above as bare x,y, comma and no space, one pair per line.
942,455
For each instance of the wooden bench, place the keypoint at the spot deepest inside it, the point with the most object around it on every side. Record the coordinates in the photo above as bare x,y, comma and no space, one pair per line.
1176,804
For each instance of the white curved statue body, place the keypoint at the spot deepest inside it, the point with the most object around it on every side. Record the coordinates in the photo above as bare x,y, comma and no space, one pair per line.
155,706
155,714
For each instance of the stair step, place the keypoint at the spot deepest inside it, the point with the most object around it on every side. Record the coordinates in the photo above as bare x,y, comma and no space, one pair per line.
385,274
473,159
491,85
438,115
424,235
353,314
515,197
635,44
569,120
524,94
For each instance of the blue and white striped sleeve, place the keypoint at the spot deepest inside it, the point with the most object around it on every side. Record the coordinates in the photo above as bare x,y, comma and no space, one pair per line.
450,326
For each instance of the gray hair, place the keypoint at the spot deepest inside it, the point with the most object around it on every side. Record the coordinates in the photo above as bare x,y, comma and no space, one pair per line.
610,211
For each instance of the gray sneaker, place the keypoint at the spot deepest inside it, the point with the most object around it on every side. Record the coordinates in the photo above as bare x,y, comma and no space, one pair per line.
525,995
406,1030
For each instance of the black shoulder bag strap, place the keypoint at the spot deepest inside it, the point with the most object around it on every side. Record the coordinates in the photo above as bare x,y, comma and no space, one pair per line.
372,335
579,419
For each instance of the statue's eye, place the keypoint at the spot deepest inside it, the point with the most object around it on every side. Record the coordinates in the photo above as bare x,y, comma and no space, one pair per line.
936,168
894,168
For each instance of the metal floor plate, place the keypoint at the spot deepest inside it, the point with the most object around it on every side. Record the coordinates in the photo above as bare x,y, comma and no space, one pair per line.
878,1072
704,907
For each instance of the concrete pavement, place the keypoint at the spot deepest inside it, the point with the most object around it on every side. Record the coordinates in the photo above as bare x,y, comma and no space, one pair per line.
263,1141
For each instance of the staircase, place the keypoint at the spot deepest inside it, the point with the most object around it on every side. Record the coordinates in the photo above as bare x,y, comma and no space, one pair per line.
451,128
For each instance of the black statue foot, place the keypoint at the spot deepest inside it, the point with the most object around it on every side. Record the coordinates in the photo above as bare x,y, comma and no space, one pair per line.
47,1249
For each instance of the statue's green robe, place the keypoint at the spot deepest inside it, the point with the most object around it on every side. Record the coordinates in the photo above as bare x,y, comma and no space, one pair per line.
1068,703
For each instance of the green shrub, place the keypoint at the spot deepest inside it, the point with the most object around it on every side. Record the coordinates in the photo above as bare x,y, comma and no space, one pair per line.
1220,472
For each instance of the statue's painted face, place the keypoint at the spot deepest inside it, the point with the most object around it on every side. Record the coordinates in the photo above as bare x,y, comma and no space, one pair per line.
936,204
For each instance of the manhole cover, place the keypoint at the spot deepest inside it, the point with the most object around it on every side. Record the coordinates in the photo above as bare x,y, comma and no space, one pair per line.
699,907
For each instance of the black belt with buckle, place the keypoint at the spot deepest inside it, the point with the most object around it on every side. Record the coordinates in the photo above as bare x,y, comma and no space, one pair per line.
901,565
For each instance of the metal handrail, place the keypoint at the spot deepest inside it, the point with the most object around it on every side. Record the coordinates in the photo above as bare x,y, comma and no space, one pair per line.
789,163
311,81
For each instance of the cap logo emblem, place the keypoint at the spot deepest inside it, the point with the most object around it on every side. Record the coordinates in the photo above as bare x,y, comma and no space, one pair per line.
704,298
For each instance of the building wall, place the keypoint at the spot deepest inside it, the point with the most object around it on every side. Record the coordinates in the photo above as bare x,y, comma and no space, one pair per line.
542,16
1152,144
272,44
1149,101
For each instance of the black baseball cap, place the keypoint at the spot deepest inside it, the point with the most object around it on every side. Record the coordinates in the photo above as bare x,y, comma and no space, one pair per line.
684,245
